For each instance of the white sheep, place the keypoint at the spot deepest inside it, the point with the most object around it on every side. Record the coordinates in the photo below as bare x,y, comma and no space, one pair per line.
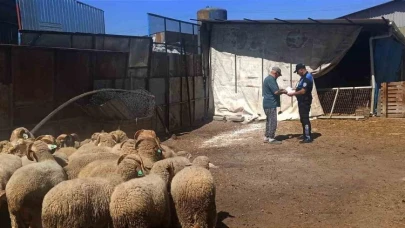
84,202
143,202
78,203
120,136
8,165
78,162
126,147
65,152
193,194
29,184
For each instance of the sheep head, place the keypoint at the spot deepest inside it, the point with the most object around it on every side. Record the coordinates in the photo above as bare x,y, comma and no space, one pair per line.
19,147
166,170
5,146
130,166
149,146
128,146
106,139
20,133
119,135
94,136
39,151
143,134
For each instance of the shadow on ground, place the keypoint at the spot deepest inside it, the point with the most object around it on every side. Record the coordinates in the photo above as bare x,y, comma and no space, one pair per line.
222,215
291,136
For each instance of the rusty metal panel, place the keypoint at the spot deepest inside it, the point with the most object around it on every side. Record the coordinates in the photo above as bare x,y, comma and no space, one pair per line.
5,92
33,75
82,42
73,74
110,65
31,114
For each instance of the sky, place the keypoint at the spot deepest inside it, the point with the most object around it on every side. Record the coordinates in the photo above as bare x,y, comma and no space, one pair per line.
129,17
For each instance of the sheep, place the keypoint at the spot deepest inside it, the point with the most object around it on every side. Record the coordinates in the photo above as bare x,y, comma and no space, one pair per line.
20,133
169,152
65,152
105,139
88,197
143,134
60,160
29,184
78,162
193,194
5,146
19,147
126,147
150,151
143,202
127,167
8,165
65,140
119,135
90,149
78,203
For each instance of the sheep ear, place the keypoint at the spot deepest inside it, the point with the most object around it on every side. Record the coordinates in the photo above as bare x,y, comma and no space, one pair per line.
114,137
75,137
122,144
137,134
137,143
121,158
32,156
39,137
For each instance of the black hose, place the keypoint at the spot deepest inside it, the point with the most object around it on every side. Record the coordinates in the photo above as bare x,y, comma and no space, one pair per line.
50,115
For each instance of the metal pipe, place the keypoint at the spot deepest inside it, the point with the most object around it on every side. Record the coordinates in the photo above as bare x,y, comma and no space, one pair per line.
343,88
372,65
334,103
50,115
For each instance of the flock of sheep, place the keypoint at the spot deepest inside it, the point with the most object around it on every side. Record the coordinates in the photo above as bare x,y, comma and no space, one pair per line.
106,181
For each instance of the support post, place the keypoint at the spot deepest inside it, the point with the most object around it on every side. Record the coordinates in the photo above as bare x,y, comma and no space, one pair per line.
334,102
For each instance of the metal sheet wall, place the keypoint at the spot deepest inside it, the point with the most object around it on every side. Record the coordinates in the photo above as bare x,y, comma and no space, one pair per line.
8,22
61,15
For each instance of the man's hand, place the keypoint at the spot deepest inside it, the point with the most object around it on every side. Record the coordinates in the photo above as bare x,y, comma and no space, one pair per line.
291,94
283,91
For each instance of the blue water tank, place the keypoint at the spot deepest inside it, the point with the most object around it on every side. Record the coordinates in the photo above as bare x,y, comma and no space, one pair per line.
210,13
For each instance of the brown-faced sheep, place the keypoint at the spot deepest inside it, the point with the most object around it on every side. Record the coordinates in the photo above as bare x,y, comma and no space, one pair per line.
19,147
144,134
21,133
142,202
29,184
193,194
120,136
150,151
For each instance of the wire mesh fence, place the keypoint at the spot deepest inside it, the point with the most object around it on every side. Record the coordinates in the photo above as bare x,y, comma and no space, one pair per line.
177,64
347,101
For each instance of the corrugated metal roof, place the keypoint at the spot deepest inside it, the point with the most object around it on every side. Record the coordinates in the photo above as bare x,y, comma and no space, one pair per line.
373,7
60,15
379,21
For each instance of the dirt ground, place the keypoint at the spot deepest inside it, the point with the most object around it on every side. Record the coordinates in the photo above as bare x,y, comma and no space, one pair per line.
353,175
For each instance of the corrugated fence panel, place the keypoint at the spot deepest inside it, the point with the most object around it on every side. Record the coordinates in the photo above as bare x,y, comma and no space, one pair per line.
61,15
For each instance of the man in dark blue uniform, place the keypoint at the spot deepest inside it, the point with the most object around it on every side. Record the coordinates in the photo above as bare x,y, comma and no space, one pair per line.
303,92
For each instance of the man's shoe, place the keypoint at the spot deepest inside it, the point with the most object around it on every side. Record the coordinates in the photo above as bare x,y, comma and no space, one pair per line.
307,141
274,141
266,139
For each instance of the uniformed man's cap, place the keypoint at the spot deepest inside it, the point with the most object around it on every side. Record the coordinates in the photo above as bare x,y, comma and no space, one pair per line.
299,66
277,69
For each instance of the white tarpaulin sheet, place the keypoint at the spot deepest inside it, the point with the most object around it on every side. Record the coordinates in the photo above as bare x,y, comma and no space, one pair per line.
243,54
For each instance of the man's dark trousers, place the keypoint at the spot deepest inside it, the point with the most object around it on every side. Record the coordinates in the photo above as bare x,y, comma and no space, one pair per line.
304,107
